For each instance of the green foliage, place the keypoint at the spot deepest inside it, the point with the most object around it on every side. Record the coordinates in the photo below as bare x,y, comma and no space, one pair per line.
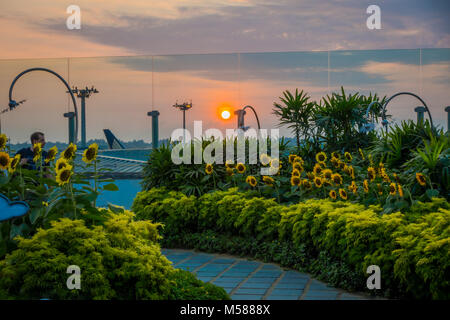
119,260
296,113
339,119
325,237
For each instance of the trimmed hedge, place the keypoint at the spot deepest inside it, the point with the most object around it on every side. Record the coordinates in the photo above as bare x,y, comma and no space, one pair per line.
334,240
119,260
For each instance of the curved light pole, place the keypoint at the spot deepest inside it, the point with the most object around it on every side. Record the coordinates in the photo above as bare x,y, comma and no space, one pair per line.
241,113
370,126
13,104
383,115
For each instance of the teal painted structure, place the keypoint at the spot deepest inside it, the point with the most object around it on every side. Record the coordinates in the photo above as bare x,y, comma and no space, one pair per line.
71,124
155,129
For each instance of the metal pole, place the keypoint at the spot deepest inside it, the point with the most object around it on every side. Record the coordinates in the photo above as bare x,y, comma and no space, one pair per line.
13,104
155,129
83,121
448,118
71,122
420,112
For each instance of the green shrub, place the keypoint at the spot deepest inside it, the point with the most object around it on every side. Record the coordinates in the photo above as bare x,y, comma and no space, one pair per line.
337,240
119,260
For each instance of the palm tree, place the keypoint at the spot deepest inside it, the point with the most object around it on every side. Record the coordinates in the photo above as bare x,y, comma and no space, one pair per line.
295,112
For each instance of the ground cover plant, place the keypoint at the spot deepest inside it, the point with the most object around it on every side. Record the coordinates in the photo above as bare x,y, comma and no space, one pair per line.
119,258
334,240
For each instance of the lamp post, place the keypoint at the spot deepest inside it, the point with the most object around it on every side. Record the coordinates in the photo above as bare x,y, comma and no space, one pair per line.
13,104
83,94
447,109
183,107
420,111
240,118
154,114
71,124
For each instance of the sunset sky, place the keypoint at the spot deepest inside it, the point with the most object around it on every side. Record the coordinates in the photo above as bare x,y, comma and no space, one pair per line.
143,55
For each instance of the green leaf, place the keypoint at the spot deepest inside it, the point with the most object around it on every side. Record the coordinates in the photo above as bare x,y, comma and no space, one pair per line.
115,209
432,193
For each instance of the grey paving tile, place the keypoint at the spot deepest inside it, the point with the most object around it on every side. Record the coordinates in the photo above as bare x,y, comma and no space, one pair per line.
224,261
256,285
284,285
261,280
280,297
287,292
251,291
318,298
206,274
319,286
246,297
346,296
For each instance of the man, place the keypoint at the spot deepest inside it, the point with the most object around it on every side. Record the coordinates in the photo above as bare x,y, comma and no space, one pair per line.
27,155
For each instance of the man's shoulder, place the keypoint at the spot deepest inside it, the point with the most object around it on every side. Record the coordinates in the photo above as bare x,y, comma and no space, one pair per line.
24,151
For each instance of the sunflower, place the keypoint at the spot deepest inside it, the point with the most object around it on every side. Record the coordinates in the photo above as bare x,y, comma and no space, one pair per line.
14,163
421,179
348,157
362,154
4,161
321,157
385,176
371,173
396,177
295,180
318,182
306,184
37,151
392,189
400,190
380,189
296,173
90,154
327,183
366,186
3,141
230,171
265,159
297,166
299,160
317,169
335,155
335,162
327,173
240,167
291,158
310,176
275,163
337,178
381,168
61,164
333,194
351,172
343,194
229,164
268,180
208,168
63,176
341,164
251,180
353,187
69,153
51,154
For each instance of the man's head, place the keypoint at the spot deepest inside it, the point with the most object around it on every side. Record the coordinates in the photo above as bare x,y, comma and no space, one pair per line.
38,137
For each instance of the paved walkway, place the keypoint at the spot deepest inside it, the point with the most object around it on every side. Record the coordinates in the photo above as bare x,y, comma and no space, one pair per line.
253,280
